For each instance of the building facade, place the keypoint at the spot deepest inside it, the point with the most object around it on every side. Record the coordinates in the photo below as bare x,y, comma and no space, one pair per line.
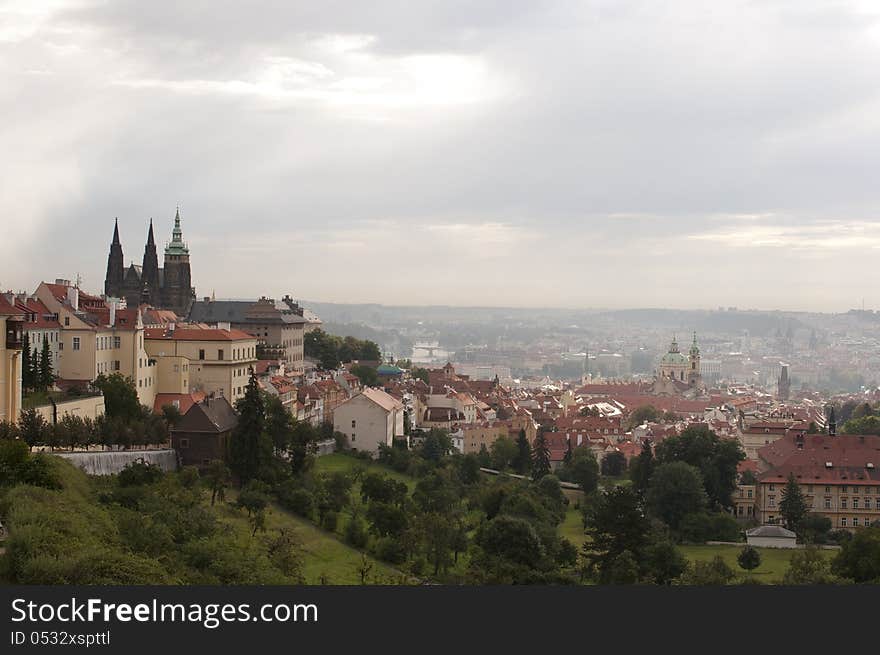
11,337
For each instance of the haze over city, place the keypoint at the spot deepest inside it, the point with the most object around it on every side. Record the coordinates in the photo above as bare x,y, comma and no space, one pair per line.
602,154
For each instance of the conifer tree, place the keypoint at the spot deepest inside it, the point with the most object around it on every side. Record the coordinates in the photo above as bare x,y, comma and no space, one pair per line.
46,376
250,447
540,457
26,365
523,460
793,505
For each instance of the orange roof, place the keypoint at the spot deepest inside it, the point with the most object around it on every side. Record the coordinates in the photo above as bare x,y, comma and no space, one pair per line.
184,400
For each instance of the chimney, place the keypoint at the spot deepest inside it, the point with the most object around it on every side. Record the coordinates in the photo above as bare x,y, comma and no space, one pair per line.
171,327
73,298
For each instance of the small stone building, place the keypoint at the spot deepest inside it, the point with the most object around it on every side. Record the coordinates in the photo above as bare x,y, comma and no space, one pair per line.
771,536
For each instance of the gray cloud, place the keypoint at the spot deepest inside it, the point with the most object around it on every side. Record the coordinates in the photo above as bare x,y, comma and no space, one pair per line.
559,153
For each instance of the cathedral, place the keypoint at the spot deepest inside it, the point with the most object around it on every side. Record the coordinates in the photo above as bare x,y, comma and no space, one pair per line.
679,374
169,287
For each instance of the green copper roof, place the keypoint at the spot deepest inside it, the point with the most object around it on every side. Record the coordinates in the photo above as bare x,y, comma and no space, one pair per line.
177,245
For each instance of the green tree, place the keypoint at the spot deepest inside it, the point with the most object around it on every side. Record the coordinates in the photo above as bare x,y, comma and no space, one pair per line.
27,368
642,468
421,374
502,453
614,524
120,396
583,470
566,459
217,476
664,562
749,559
32,428
809,566
717,460
614,464
254,498
643,414
675,490
540,457
366,374
250,448
793,506
859,558
46,377
523,460
714,572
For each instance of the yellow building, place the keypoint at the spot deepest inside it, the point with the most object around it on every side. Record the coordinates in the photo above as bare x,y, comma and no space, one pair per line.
11,320
211,360
837,474
99,340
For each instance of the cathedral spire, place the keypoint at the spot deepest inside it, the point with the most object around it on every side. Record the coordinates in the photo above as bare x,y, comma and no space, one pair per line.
150,240
116,233
177,246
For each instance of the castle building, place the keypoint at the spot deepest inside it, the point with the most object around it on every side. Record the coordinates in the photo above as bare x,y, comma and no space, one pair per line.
169,287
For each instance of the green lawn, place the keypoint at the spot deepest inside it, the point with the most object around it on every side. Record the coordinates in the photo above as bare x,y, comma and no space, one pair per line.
774,561
324,554
340,462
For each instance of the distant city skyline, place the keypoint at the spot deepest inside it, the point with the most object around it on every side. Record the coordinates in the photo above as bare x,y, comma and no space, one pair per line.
596,154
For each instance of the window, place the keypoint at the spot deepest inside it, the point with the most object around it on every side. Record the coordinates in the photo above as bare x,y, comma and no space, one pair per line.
843,503
201,353
827,503
749,493
220,353
353,423
855,503
76,343
771,501
855,521
60,345
184,443
843,522
66,321
352,436
843,489
117,342
772,488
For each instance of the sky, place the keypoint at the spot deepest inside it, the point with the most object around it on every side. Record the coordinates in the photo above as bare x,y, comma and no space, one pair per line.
609,153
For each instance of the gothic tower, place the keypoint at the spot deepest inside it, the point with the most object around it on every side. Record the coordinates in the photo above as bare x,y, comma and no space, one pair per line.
115,266
693,375
177,291
152,290
783,384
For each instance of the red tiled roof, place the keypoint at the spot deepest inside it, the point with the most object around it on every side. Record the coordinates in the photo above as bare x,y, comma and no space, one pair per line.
849,456
8,309
196,334
185,400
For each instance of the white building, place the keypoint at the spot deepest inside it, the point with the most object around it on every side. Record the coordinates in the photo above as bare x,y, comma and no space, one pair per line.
369,419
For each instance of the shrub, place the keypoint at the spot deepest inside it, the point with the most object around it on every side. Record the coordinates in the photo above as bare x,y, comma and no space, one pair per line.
299,501
330,520
356,533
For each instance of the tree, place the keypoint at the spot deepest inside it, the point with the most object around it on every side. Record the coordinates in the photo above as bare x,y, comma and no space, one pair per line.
614,464
540,457
566,459
27,368
523,460
366,374
583,470
809,566
120,396
254,498
614,524
748,477
642,468
421,374
643,414
218,477
46,378
675,490
859,558
749,559
250,448
793,506
664,562
717,460
171,414
502,453
32,427
483,456
814,529
714,572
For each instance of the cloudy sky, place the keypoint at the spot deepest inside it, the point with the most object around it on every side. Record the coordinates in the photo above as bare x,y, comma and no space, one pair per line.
610,153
